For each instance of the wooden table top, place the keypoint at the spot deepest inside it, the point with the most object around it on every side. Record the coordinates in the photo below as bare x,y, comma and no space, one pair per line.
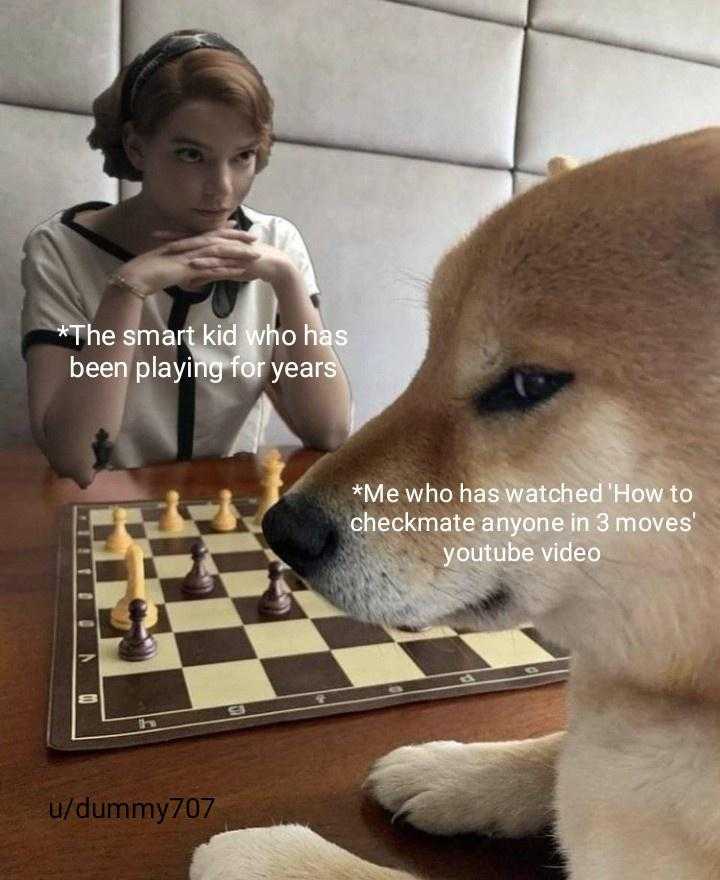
306,771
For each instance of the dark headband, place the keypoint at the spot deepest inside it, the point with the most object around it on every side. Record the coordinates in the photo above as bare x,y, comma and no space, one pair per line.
170,46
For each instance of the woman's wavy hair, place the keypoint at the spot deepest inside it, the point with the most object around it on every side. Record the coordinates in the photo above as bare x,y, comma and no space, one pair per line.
209,74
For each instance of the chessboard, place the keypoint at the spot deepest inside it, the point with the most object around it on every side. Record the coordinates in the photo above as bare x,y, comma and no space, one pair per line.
220,664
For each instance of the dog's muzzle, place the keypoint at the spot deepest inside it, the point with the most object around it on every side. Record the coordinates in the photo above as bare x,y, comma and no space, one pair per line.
301,533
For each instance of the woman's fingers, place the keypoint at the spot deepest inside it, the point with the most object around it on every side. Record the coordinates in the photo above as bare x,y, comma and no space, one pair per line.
177,245
218,273
178,233
222,230
213,265
218,254
207,262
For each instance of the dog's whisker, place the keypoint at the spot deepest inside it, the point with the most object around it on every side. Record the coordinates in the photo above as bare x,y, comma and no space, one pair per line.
415,303
415,278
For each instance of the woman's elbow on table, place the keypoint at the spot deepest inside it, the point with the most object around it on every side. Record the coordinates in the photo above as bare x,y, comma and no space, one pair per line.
69,466
329,439
79,473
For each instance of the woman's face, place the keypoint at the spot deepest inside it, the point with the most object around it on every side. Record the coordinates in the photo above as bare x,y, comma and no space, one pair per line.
199,166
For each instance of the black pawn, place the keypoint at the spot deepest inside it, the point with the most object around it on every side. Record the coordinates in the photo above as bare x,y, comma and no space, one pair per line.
137,643
102,447
416,629
275,601
197,581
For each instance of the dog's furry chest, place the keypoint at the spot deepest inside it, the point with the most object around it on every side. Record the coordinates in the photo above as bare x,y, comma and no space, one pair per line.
641,774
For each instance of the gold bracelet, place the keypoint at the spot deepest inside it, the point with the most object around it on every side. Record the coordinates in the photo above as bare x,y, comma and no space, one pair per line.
117,280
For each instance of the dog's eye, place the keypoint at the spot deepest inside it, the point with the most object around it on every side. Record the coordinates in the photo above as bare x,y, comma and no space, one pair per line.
521,388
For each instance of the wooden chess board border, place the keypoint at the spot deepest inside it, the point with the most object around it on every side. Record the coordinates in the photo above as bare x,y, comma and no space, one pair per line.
68,675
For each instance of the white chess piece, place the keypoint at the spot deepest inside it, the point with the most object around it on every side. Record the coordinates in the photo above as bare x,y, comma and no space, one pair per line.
120,615
272,468
119,539
224,520
171,520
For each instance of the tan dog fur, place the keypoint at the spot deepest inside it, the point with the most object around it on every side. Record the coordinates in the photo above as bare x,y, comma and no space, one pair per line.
610,271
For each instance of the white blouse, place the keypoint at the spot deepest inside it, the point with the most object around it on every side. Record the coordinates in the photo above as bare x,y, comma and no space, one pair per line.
186,413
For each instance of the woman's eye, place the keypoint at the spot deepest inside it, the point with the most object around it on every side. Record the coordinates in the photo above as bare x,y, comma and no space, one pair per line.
192,155
246,156
521,388
188,154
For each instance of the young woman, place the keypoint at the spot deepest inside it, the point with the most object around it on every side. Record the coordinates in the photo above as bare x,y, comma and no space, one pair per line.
213,282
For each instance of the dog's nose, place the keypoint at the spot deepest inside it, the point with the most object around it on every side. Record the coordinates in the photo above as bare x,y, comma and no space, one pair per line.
301,533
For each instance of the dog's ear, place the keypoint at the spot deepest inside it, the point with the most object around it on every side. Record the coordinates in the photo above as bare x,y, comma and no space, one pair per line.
559,164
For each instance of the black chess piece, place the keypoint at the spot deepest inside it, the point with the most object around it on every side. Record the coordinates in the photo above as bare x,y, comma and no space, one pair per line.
102,447
137,643
197,581
275,601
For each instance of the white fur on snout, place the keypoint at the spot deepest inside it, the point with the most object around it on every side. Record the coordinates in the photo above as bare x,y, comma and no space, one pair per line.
449,788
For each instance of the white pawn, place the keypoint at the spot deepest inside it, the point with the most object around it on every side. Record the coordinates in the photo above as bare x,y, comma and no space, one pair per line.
170,520
119,539
120,615
224,520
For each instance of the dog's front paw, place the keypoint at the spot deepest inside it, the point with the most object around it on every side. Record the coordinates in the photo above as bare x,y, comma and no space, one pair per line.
505,789
281,852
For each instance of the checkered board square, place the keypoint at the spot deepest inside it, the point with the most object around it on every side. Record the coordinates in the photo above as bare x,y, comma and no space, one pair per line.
220,664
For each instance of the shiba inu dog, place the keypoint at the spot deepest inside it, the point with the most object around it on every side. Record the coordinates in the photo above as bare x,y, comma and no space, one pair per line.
574,340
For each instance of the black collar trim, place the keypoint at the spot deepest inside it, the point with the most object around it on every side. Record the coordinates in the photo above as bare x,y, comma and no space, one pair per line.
190,296
68,219
185,423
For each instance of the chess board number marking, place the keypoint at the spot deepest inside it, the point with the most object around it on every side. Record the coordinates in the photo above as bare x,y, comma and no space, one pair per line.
86,658
85,595
86,699
86,624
